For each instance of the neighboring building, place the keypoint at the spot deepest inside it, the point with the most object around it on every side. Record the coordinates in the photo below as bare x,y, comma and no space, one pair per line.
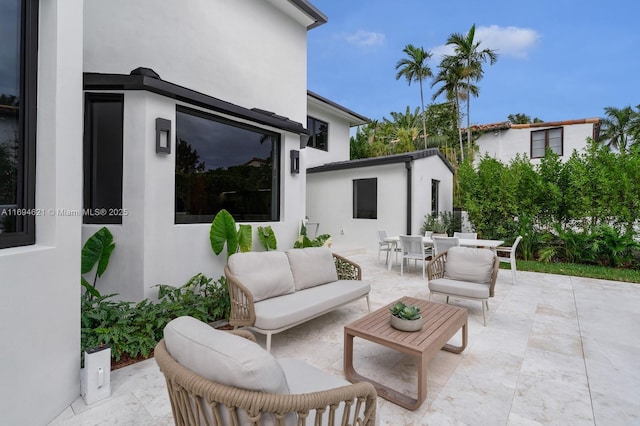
504,140
351,200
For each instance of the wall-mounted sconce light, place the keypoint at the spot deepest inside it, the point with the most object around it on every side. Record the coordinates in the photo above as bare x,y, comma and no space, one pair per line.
163,136
295,161
304,138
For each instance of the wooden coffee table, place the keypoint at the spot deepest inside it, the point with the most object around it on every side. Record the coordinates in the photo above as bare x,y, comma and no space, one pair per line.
441,323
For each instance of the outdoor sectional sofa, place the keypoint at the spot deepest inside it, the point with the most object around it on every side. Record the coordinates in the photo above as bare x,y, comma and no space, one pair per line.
273,291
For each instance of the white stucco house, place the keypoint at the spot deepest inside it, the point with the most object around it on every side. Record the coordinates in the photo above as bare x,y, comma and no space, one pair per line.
504,140
351,200
126,115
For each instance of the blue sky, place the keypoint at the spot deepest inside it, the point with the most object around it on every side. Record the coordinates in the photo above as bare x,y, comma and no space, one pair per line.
558,60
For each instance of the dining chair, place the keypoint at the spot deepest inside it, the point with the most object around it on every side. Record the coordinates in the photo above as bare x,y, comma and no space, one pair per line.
442,244
466,235
428,249
412,249
384,246
509,256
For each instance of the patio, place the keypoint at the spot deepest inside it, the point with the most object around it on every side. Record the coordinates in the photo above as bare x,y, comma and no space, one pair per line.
556,350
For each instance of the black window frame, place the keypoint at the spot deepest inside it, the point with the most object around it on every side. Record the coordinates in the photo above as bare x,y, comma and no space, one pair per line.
358,213
94,211
546,141
276,172
314,140
435,196
27,122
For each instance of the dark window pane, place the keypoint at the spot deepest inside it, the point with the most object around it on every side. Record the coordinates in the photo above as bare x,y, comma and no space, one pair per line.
103,158
435,196
318,133
365,198
18,67
221,164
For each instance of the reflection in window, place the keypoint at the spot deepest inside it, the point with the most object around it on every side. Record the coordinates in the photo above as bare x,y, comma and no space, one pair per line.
318,133
222,164
18,66
365,198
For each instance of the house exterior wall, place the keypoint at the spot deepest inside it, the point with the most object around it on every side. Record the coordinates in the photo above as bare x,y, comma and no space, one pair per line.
40,303
338,142
505,144
330,200
248,53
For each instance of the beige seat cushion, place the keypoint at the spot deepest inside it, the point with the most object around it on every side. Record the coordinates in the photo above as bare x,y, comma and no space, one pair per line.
312,266
223,357
265,274
278,312
460,288
469,264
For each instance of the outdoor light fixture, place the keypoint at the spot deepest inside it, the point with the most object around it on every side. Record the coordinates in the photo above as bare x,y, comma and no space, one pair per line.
163,136
304,138
295,161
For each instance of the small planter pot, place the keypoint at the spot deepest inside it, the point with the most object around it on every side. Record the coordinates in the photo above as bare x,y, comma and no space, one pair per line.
406,325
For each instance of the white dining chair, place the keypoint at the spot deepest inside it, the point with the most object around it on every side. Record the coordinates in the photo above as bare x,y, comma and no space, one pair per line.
412,249
502,253
384,246
466,235
428,249
442,244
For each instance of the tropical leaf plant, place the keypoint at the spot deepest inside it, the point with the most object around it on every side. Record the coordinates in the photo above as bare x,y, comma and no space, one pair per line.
223,232
267,237
97,250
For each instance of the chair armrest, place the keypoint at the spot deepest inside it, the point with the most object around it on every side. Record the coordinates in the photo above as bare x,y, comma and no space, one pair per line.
435,267
347,269
494,274
187,391
242,312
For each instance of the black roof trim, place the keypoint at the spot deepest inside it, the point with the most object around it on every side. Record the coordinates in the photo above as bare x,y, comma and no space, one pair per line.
379,161
338,106
319,17
98,81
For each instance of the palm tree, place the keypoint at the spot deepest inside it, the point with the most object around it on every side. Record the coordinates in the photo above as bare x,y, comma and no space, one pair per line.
617,127
467,50
452,77
414,68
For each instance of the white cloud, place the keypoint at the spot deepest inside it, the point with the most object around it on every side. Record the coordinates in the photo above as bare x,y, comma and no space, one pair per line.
506,41
365,38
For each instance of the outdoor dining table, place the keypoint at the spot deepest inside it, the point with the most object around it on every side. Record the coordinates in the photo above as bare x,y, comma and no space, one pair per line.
464,242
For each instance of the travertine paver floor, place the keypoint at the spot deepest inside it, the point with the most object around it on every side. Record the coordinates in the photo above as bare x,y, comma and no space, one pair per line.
556,350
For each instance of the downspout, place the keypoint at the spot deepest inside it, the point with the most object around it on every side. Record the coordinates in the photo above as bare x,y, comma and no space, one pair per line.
408,165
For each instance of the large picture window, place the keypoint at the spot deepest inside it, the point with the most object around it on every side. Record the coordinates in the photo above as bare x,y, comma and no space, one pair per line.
318,133
103,144
221,164
365,198
18,77
541,140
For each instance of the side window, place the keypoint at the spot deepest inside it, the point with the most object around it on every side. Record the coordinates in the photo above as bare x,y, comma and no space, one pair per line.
18,78
103,142
318,134
365,198
541,140
435,196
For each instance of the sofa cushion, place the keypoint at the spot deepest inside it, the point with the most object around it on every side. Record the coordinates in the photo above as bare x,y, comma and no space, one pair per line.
460,288
265,274
312,266
223,357
294,308
469,264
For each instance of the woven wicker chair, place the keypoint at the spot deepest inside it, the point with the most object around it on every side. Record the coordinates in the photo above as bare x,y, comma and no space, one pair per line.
196,400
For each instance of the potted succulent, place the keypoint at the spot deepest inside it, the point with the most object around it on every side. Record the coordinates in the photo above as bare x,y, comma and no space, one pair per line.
406,318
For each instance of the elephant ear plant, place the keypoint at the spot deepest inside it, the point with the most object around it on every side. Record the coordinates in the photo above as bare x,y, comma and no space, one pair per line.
97,249
223,232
